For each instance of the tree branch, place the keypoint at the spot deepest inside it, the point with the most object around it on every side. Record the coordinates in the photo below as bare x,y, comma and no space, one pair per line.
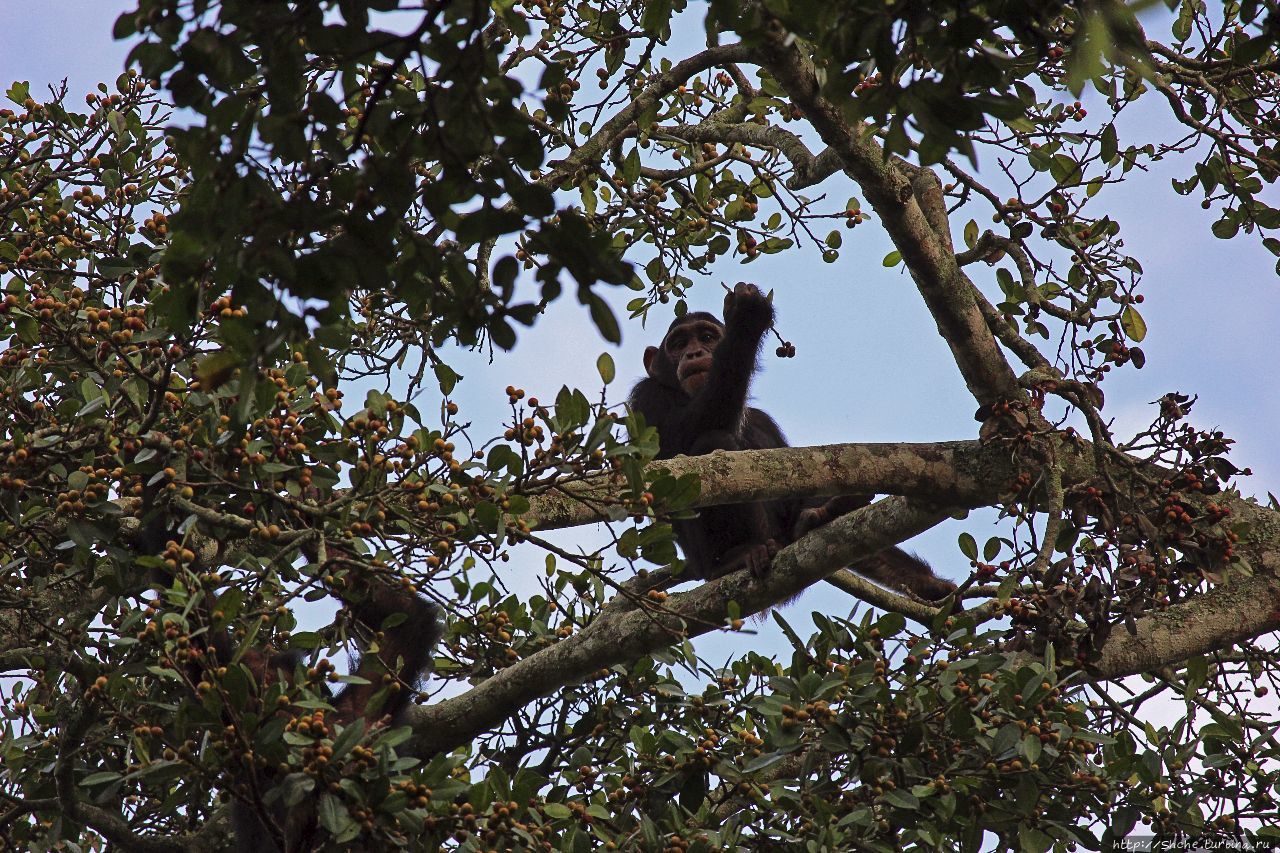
1201,624
110,825
593,149
624,631
808,168
958,473
946,291
859,587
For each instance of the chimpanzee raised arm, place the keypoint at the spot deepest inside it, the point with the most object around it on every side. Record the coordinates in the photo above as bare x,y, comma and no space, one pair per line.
695,393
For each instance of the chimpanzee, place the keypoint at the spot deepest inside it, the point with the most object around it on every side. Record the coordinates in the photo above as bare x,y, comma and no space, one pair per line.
695,393
403,655
400,629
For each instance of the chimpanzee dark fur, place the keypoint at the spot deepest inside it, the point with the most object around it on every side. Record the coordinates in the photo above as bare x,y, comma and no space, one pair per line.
695,393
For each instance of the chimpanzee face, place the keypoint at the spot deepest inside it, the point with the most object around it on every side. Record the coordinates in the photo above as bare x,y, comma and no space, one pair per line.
688,347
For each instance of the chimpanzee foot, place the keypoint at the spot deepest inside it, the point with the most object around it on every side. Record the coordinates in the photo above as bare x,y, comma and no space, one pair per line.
897,569
756,557
760,567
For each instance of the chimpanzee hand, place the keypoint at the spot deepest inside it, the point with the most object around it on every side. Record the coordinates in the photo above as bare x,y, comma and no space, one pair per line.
746,308
810,519
817,516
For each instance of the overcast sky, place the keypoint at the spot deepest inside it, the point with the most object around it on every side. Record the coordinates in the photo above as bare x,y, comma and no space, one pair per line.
870,365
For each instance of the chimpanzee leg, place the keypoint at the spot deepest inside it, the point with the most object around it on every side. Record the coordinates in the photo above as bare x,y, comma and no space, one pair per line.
827,511
897,569
725,538
893,567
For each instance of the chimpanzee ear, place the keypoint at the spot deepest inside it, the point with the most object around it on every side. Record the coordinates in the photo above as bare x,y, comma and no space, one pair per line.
650,353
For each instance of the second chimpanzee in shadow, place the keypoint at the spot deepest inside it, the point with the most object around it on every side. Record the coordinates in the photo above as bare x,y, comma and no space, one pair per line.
381,692
695,393
396,628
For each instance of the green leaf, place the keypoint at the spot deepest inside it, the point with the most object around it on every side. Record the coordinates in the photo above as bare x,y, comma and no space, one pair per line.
968,545
351,735
1226,227
1033,840
656,17
602,316
19,92
558,811
892,259
902,799
488,516
631,166
333,814
446,376
1089,51
1186,18
1134,326
971,233
1109,143
502,335
1031,748
216,368
1251,51
693,792
1006,739
99,778
91,406
604,365
1064,170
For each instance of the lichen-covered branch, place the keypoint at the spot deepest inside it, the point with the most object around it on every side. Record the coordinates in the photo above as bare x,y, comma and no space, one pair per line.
1230,613
927,255
960,473
625,633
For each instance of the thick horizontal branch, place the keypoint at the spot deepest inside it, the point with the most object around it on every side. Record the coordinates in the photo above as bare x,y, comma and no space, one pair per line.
940,476
622,632
1219,619
1228,614
891,192
957,473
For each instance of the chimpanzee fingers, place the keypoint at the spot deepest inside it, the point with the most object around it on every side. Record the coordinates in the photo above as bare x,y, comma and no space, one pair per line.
810,519
761,559
747,307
